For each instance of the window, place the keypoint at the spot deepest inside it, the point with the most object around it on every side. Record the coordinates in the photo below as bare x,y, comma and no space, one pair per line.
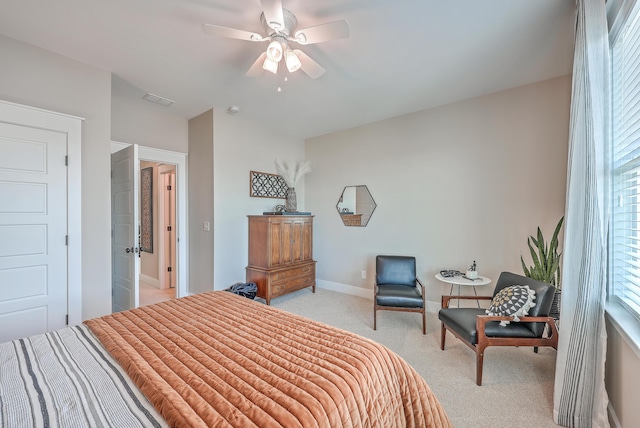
625,127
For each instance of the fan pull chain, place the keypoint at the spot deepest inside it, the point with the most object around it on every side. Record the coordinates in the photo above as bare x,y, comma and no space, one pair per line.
286,79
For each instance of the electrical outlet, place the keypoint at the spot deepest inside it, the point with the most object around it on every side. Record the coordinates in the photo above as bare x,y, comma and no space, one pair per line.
364,274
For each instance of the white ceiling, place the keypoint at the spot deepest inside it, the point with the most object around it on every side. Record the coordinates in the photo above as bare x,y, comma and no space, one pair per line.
402,56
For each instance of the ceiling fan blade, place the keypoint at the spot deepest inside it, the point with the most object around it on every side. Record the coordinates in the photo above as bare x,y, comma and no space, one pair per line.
323,32
309,66
273,13
233,33
256,69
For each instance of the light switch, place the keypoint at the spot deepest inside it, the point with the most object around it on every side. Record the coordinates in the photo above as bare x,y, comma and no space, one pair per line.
206,227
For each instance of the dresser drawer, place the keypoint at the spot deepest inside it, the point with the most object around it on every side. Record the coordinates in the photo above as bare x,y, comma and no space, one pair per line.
291,284
277,282
283,275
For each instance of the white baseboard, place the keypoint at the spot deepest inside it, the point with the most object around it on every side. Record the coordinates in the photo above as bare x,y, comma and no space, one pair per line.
151,281
613,418
344,288
362,292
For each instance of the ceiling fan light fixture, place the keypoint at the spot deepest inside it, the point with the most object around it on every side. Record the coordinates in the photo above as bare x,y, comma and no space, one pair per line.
269,65
279,30
301,37
292,61
274,51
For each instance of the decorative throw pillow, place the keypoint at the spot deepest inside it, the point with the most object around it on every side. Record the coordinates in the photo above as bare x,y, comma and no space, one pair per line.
515,301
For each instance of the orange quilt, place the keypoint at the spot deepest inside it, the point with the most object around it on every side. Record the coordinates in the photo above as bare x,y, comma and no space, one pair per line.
217,359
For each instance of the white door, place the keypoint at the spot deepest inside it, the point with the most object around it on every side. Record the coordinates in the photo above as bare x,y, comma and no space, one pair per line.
33,231
124,227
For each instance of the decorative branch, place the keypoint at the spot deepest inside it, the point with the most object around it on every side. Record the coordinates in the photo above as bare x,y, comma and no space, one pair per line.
291,171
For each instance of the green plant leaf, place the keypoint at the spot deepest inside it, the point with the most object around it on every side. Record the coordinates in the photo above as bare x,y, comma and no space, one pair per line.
553,271
541,246
524,268
545,257
534,257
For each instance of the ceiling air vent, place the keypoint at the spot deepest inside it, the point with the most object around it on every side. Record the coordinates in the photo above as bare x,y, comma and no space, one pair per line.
156,99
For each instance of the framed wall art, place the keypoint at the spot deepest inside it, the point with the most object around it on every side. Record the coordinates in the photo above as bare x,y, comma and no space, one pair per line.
265,185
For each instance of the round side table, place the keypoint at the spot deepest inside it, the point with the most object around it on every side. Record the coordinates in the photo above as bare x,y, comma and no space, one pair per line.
463,281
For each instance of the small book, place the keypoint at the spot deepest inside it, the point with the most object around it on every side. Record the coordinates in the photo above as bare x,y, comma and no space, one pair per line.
450,273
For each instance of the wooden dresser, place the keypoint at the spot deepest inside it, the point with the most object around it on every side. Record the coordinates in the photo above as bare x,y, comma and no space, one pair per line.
281,254
352,219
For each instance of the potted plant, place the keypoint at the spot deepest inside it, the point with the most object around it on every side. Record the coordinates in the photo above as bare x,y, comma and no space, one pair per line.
546,264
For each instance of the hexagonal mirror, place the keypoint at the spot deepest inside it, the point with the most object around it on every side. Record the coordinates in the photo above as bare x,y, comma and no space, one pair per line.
356,205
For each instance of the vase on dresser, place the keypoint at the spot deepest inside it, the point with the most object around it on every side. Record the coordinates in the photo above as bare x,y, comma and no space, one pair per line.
292,200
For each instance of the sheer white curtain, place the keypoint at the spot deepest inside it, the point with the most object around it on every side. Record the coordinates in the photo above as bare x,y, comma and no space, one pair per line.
580,399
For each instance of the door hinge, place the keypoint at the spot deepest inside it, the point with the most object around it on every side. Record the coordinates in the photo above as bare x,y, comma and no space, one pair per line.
66,321
168,228
66,239
169,269
66,161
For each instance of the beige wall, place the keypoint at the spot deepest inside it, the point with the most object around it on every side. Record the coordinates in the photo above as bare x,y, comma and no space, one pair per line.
622,377
39,78
148,124
223,149
463,182
241,146
200,203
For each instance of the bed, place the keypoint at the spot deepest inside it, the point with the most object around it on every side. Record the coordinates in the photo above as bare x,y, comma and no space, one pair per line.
213,359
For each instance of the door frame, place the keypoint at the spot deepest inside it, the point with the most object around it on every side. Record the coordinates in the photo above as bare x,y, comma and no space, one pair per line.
180,161
71,126
163,172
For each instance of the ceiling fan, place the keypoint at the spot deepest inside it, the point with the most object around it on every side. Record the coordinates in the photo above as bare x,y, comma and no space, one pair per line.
280,29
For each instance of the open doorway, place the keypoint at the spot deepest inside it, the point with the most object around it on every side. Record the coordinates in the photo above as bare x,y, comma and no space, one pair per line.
159,244
157,237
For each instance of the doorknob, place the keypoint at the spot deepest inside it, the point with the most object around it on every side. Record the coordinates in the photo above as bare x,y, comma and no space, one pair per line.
129,250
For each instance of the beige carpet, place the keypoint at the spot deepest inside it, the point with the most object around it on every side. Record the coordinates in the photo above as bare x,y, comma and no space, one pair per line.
517,387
